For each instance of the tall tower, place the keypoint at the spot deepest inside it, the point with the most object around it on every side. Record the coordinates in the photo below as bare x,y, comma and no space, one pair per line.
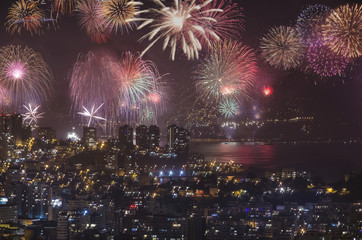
154,137
90,136
178,139
125,136
16,128
142,137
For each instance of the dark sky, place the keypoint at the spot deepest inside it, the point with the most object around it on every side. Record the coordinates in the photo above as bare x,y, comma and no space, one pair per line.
61,47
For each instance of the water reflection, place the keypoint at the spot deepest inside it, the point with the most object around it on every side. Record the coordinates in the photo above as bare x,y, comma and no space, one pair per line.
329,160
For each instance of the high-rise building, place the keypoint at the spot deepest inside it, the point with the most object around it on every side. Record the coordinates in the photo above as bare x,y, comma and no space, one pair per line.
178,139
26,134
62,227
195,228
5,123
46,134
8,213
12,127
154,137
40,196
90,136
142,137
17,128
3,146
125,135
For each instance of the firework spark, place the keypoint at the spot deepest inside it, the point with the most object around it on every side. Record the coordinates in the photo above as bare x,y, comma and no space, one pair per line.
229,70
310,20
322,61
121,15
92,20
180,24
228,108
342,30
91,114
32,116
282,47
25,75
25,15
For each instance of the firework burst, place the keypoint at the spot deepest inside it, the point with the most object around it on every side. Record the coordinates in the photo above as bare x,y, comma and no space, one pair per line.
92,114
136,80
229,71
92,83
342,30
25,15
121,15
124,86
228,108
32,115
92,20
322,61
146,116
25,75
180,24
282,47
310,20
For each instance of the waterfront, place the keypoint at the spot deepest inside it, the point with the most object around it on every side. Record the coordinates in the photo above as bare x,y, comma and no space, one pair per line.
328,160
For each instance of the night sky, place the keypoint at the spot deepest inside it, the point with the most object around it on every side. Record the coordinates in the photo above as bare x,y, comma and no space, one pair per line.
60,48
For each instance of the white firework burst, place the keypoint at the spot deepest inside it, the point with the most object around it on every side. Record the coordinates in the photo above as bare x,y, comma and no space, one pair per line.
181,24
32,116
91,114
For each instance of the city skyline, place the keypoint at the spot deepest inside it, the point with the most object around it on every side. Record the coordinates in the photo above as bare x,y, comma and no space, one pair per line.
180,119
